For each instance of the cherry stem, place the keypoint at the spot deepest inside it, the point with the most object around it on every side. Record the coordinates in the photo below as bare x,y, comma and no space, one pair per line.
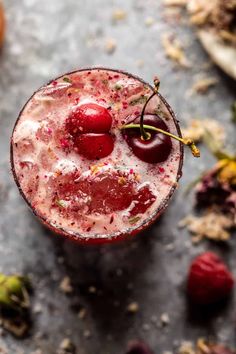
144,134
188,142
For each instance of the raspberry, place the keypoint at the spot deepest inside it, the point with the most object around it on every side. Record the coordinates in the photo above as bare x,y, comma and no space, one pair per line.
209,279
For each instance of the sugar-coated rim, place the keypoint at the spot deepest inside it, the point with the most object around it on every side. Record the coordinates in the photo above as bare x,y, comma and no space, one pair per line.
117,235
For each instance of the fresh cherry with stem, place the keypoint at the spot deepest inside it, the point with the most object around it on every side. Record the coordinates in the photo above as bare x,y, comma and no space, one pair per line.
149,146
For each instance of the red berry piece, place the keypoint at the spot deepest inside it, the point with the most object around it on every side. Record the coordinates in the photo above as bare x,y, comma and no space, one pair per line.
142,201
107,193
209,279
89,118
154,150
94,146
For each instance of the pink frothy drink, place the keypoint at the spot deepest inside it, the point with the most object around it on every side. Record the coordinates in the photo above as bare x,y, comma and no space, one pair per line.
83,174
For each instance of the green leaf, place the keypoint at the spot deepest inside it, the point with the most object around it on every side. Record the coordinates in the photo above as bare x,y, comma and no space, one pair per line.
66,79
118,87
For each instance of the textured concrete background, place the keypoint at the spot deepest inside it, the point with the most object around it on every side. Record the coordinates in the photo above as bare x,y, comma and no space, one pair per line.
44,39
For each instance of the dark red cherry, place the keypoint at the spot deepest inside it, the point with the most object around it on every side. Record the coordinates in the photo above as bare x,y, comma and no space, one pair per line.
94,146
88,118
157,148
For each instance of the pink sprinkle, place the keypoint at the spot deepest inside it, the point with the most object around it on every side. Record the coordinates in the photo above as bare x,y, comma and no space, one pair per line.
54,83
49,131
161,169
131,171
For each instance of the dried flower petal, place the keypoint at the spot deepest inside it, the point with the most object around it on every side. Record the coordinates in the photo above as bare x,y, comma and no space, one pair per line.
118,15
212,225
196,130
174,49
202,85
110,45
227,171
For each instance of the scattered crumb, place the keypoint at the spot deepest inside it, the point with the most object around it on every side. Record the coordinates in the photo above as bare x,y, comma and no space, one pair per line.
212,225
174,50
92,289
149,21
110,45
140,63
202,85
66,347
38,308
66,286
146,327
181,3
118,15
170,247
165,320
197,128
82,313
186,348
133,307
87,334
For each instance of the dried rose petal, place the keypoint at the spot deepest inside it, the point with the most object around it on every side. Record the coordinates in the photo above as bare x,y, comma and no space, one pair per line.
211,191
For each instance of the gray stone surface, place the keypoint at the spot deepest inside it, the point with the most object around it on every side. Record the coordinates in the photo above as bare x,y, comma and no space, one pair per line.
44,39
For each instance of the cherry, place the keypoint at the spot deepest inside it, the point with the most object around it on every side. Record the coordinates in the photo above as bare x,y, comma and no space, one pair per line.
154,150
94,146
89,118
